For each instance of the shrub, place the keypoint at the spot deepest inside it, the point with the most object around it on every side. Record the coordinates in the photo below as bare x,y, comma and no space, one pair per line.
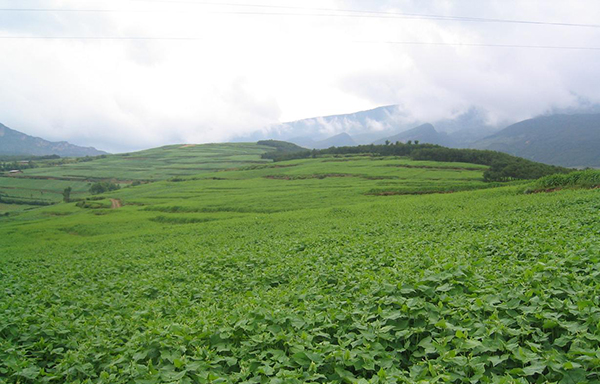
103,186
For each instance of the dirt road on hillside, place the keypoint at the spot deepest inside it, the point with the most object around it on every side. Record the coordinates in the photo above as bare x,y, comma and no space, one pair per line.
116,203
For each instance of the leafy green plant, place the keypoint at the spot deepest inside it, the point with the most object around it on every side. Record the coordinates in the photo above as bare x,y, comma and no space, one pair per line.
247,279
582,179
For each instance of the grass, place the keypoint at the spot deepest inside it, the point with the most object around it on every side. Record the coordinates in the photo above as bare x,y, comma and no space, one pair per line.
237,277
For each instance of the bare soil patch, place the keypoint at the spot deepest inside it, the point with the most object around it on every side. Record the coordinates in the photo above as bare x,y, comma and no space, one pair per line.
116,203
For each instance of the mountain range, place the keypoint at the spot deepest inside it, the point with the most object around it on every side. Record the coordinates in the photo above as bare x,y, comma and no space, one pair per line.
365,127
567,140
15,143
379,124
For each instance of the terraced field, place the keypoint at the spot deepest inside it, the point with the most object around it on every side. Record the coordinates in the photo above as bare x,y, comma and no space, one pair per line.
328,270
46,184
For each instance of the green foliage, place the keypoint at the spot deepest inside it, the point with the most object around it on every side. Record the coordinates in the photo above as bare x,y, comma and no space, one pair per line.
16,165
520,169
28,158
91,204
180,220
67,194
51,174
453,292
23,201
589,178
102,187
295,274
281,146
503,167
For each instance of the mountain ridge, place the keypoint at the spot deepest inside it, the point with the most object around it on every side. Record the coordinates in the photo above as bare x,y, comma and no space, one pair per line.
570,140
368,126
15,143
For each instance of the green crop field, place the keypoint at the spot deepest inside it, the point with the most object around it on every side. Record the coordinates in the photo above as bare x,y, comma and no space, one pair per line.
160,163
45,184
336,269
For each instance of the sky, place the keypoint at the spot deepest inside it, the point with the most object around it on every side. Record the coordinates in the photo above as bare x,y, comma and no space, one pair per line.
231,68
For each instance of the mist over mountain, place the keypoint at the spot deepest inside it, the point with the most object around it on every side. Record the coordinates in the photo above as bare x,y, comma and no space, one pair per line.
582,106
424,133
365,127
382,119
570,138
17,143
340,140
567,140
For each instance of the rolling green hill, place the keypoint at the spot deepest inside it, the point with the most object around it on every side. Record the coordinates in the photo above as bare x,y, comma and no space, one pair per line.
354,268
566,140
16,143
45,184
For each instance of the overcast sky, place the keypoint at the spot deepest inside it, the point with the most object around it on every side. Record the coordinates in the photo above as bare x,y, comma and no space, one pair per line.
252,66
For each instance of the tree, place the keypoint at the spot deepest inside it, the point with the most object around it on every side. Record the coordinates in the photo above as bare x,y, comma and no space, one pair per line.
102,187
67,194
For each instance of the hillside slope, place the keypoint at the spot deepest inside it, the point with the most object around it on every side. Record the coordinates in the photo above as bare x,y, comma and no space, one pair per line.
17,143
567,140
46,182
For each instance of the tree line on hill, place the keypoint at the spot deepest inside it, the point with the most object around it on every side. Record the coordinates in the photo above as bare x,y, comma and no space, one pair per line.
16,166
281,146
502,166
11,163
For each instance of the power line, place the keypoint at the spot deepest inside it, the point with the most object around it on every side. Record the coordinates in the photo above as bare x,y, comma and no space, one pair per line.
428,16
408,43
338,13
99,38
483,45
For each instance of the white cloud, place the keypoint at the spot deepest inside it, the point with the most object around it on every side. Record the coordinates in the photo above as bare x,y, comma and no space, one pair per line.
250,71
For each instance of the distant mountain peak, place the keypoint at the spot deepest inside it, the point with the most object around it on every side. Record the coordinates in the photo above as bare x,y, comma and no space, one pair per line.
424,133
423,128
342,135
340,140
16,143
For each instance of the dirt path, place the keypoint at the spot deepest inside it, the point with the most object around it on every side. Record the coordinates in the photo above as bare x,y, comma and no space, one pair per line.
115,203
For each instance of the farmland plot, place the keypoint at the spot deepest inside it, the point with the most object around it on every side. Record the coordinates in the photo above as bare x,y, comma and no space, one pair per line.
242,277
